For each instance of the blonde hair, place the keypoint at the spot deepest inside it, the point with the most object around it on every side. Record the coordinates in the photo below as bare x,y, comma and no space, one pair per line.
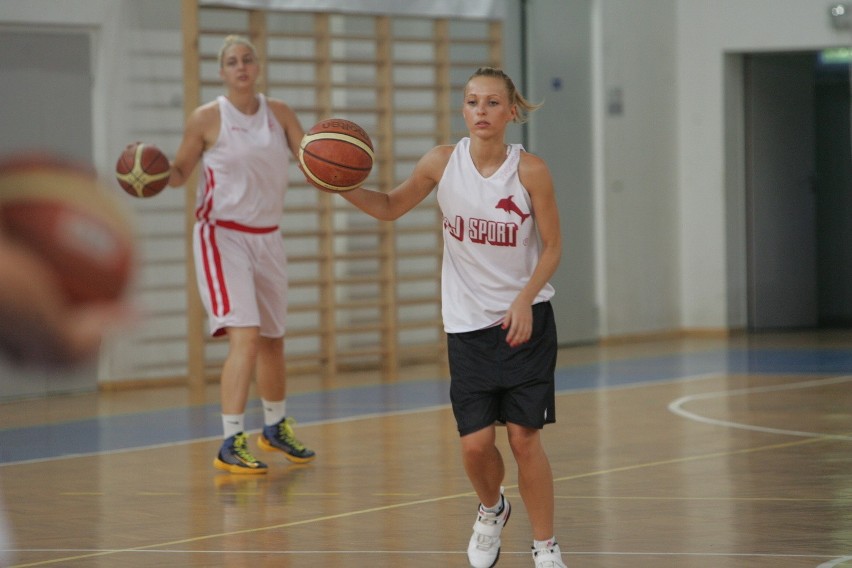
515,97
231,41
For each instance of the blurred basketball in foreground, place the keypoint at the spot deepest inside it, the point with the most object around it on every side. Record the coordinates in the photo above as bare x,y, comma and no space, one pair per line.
62,213
336,155
142,170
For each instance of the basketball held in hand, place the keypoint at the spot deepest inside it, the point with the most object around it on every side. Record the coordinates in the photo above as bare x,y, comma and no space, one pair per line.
336,155
65,216
142,170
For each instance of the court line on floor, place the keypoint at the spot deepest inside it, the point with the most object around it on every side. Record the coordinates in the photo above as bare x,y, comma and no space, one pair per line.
832,562
344,419
676,407
291,524
148,548
835,562
349,514
218,437
686,459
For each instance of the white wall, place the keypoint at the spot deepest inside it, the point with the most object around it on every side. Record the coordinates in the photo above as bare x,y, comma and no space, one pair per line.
707,31
636,178
106,21
670,170
667,178
137,95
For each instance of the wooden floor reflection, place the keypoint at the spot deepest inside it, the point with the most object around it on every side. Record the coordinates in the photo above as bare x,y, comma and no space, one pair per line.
709,470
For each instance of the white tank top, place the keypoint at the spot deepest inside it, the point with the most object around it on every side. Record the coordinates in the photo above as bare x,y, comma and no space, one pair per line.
491,245
245,173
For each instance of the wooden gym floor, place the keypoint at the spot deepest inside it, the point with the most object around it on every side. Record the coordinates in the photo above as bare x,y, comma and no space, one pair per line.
695,453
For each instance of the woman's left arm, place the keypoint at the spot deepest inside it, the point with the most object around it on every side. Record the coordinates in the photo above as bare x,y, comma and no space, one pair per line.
535,177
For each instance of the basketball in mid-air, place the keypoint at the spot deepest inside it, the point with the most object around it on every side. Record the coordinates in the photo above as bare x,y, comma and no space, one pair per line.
336,155
142,170
67,218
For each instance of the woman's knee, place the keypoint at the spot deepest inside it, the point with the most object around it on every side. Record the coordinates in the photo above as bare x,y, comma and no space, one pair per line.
478,443
245,341
525,442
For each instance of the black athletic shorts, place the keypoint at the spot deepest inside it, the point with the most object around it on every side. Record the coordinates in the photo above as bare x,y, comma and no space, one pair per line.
493,382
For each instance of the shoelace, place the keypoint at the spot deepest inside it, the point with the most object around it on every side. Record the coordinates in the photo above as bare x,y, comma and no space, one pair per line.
241,449
285,431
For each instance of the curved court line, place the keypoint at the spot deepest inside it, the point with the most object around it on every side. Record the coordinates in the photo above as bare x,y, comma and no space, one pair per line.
676,407
835,562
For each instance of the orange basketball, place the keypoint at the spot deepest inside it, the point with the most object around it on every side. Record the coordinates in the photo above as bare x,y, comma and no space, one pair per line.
336,155
63,214
142,170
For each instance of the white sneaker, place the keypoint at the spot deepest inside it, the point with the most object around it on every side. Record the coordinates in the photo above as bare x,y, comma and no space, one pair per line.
548,557
484,547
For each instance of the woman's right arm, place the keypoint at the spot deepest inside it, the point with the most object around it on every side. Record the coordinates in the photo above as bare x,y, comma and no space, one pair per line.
193,144
392,205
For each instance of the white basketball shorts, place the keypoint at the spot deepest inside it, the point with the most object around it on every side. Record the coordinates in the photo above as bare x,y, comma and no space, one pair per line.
242,277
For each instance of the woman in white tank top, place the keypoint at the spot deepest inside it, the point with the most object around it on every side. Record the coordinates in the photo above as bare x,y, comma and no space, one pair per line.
502,244
243,140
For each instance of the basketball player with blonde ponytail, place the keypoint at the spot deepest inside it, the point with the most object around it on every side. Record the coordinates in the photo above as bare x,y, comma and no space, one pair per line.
502,245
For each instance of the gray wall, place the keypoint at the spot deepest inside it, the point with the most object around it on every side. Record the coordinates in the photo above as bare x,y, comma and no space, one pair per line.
559,74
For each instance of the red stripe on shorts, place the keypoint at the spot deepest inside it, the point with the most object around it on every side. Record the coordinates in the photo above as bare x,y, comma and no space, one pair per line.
244,228
202,213
220,303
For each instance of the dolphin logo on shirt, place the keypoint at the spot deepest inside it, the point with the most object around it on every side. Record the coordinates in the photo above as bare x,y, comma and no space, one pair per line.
508,205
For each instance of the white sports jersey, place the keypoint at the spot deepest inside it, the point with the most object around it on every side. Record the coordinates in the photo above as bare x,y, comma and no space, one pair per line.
240,261
245,173
491,245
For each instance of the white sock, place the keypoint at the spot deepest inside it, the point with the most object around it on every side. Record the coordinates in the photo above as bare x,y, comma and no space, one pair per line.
497,509
273,412
232,424
543,544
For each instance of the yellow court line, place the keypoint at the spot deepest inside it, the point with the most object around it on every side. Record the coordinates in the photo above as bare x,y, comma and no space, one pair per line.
669,498
700,457
245,531
633,467
349,514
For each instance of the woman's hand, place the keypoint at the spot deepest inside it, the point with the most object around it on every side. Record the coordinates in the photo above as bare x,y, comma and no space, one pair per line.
518,321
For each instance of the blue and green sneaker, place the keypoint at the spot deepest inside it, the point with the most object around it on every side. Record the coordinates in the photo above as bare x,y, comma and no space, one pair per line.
280,437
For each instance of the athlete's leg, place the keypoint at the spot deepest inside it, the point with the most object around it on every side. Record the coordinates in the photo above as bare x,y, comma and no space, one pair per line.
271,371
535,478
238,368
483,464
